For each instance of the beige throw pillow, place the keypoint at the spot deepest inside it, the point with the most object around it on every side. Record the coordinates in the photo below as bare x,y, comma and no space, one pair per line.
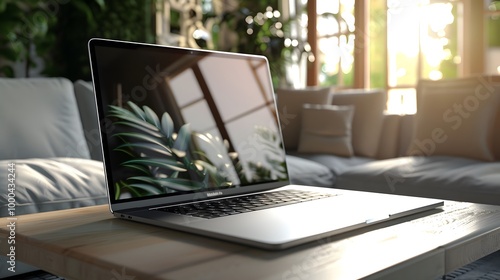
289,106
326,129
454,121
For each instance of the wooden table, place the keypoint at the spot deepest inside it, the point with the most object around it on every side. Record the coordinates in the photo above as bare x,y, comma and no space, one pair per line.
89,243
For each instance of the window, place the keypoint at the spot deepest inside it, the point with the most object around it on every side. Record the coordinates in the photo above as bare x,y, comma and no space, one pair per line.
422,42
404,41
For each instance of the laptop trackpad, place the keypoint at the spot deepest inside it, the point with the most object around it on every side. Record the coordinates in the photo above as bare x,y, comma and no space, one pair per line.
291,223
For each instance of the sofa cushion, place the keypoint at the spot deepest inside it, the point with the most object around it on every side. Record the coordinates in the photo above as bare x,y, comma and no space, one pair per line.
307,172
368,118
289,105
406,130
326,129
85,98
53,184
388,146
443,177
39,119
454,121
337,165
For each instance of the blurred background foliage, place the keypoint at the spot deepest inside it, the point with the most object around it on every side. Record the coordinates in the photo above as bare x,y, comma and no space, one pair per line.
80,20
24,31
57,32
49,38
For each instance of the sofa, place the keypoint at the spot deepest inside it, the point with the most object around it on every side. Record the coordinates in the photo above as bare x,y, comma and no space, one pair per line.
449,149
50,149
341,140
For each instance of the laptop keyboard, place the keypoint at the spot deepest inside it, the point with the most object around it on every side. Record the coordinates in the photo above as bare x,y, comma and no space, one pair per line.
242,204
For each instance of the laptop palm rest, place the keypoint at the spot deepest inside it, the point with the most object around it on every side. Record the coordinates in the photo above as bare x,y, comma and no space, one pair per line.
283,227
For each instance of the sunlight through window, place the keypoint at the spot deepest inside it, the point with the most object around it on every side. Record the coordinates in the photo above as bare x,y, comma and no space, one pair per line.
422,44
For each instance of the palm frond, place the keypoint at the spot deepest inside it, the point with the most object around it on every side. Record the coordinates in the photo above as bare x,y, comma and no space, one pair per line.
182,141
164,159
146,146
159,162
138,112
143,137
167,125
151,132
151,116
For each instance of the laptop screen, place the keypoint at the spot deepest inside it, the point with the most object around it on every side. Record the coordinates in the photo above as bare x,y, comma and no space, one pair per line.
176,121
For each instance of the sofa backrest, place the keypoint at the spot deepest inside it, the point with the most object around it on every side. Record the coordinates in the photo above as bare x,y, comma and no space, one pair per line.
85,98
368,121
458,117
39,118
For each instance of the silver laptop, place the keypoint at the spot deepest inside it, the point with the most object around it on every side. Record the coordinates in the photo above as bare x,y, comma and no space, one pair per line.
191,141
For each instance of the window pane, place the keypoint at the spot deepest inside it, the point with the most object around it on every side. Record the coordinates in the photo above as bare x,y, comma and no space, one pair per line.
403,19
401,101
377,44
199,116
493,29
336,42
224,75
185,91
439,41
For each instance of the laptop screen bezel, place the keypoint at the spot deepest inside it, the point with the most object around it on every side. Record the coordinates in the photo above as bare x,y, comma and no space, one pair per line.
151,201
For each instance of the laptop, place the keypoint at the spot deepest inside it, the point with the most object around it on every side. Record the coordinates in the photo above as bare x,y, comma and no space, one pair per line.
191,141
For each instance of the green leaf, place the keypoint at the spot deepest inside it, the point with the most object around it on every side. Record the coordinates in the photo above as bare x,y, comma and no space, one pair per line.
125,151
147,146
101,3
133,191
151,116
136,120
138,112
167,125
141,168
159,162
143,137
182,141
117,191
146,179
148,188
121,111
154,133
